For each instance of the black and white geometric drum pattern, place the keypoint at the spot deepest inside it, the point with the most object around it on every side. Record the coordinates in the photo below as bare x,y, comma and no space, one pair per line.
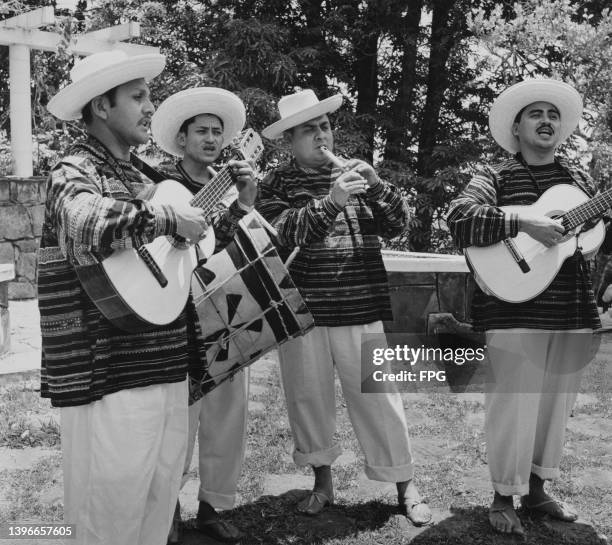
246,302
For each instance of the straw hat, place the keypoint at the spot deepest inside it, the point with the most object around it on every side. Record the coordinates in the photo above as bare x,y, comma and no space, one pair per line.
509,103
94,75
176,109
298,108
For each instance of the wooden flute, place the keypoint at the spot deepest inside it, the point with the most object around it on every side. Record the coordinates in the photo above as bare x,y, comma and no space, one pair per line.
335,160
342,165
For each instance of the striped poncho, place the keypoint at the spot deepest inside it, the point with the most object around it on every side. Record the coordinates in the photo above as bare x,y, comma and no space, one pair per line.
92,208
339,269
475,218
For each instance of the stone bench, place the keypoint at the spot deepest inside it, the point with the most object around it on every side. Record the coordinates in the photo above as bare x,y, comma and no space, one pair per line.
7,273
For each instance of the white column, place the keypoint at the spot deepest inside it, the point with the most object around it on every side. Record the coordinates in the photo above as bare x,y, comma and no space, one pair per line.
21,114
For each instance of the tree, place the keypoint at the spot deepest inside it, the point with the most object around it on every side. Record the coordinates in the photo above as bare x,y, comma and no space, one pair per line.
418,76
563,40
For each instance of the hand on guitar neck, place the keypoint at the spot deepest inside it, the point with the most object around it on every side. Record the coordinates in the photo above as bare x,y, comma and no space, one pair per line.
243,174
546,230
190,222
246,183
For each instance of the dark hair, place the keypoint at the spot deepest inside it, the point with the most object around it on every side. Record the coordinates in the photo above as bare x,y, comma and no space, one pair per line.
187,122
517,117
87,113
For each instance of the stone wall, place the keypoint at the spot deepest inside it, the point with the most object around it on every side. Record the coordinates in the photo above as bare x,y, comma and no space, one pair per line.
7,273
21,216
422,300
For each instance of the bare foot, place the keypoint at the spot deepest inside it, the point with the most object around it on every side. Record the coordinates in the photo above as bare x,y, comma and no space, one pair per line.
322,494
538,500
503,517
410,501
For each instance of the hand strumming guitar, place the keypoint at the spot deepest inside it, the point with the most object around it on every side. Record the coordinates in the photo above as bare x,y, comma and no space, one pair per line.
546,230
191,223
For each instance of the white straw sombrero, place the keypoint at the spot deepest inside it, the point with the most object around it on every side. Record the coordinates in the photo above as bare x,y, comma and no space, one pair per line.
98,73
515,98
298,108
176,109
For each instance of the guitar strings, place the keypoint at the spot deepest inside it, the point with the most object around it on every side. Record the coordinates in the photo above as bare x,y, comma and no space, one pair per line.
585,211
208,197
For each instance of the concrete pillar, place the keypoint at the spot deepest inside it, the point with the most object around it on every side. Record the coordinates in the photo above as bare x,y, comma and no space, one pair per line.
21,113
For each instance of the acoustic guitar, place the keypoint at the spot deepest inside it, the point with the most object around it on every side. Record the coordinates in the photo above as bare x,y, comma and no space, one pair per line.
140,289
520,268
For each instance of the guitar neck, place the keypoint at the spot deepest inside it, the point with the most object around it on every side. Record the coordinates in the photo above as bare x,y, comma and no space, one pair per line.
590,209
212,193
247,146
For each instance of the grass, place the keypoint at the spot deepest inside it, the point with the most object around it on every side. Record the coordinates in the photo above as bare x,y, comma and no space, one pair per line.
449,424
353,520
22,492
26,419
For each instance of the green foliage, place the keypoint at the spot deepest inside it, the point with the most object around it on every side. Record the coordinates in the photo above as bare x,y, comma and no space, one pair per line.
562,40
418,77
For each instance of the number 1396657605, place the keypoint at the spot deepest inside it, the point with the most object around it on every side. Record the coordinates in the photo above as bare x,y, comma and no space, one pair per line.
27,530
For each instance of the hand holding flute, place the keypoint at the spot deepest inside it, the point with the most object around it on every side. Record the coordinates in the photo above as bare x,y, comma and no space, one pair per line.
351,182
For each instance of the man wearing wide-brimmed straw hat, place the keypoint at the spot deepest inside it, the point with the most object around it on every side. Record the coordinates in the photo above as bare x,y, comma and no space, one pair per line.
537,348
335,216
195,125
123,396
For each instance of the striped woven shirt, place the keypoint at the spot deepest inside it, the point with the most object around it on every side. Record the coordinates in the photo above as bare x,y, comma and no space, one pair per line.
475,218
339,269
604,281
92,208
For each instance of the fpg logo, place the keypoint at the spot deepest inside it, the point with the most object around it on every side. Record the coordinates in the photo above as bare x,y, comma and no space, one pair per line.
428,376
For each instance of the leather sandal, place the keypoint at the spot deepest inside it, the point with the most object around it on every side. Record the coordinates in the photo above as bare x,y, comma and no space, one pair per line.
314,503
509,516
220,529
553,508
418,512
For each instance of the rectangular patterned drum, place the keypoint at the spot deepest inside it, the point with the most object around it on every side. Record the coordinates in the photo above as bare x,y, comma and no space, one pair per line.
246,302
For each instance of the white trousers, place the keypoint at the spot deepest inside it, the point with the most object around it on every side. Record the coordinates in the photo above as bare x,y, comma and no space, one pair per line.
307,369
220,421
123,457
537,376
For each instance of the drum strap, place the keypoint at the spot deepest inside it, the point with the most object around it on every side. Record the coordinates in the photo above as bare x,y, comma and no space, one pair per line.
202,259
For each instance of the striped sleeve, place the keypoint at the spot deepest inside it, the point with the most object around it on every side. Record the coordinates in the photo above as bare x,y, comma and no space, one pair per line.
474,219
389,208
296,226
85,216
225,221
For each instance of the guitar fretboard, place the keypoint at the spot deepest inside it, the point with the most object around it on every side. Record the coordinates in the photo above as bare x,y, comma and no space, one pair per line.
213,191
590,209
249,148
